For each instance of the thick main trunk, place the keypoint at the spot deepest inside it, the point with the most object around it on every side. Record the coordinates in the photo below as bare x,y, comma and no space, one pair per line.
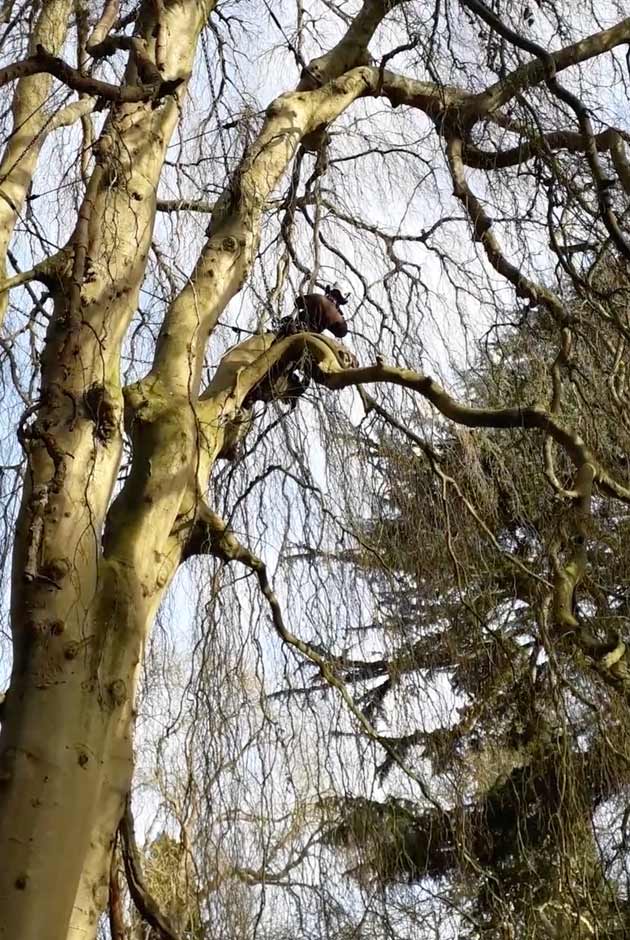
80,622
80,616
67,758
66,750
88,577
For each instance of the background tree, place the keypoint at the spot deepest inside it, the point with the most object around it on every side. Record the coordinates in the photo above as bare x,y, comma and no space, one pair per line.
146,183
529,770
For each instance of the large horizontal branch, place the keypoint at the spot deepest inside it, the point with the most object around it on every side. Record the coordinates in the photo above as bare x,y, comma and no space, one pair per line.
330,373
537,71
548,64
44,61
515,417
571,141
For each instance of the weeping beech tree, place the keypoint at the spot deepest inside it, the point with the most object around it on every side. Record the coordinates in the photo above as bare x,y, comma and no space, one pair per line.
508,120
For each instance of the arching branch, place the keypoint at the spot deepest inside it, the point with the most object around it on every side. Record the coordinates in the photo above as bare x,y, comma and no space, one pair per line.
43,61
146,905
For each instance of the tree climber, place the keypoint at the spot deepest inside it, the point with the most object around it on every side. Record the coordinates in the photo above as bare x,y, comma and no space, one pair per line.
316,313
284,382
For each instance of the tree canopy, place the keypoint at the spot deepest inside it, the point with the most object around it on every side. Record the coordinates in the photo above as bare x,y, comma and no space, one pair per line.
303,637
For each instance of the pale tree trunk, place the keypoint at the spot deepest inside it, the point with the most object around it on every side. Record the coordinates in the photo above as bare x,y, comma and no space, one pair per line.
79,619
88,576
31,122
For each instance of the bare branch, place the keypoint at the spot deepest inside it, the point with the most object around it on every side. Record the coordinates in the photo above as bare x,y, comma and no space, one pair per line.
105,23
351,50
43,271
185,205
222,542
549,64
68,115
482,230
571,141
43,61
146,905
334,376
526,76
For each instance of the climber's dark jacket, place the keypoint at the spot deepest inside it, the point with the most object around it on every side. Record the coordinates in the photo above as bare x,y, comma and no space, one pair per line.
318,313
